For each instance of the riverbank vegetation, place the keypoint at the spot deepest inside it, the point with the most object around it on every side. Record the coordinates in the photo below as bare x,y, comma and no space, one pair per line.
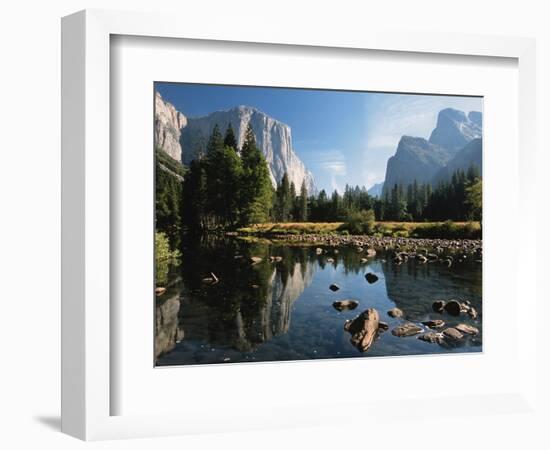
426,230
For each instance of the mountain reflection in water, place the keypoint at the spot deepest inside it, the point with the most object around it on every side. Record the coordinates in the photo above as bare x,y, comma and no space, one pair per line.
277,311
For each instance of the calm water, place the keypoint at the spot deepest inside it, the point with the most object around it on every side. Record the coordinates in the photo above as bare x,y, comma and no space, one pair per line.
276,311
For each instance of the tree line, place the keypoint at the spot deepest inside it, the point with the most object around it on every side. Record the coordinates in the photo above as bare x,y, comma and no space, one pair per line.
228,187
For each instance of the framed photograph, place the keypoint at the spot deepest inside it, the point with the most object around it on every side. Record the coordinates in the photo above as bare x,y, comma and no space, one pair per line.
282,222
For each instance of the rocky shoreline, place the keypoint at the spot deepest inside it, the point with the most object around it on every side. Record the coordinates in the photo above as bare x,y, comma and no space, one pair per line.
400,249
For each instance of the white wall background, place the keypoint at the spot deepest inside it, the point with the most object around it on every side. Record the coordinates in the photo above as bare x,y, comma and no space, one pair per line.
30,194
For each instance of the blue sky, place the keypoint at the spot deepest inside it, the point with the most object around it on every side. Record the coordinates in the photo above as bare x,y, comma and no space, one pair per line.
342,137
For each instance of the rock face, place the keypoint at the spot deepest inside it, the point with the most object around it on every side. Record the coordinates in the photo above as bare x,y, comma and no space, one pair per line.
273,138
168,125
415,159
470,155
376,190
454,129
434,160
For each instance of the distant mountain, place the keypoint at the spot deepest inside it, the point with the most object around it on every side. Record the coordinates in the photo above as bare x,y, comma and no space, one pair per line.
470,155
376,190
427,161
273,138
415,159
454,129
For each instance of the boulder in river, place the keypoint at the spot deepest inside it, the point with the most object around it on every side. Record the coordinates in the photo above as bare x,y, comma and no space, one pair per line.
452,334
437,323
405,330
467,329
341,305
319,251
383,326
330,260
453,307
363,329
334,287
371,278
371,253
395,313
432,337
421,259
438,306
255,260
160,290
472,312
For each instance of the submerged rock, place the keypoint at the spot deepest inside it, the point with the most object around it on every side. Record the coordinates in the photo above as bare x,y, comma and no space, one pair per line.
405,330
438,306
432,337
341,305
395,313
371,278
437,323
467,329
334,287
453,307
212,279
363,329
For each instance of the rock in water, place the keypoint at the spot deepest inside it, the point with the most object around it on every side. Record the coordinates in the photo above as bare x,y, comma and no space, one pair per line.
395,313
255,260
371,253
334,287
407,329
160,290
472,312
432,337
383,326
453,308
363,329
434,323
341,305
452,334
467,329
438,306
371,278
319,251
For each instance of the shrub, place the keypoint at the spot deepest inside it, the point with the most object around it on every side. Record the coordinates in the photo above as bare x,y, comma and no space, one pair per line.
360,222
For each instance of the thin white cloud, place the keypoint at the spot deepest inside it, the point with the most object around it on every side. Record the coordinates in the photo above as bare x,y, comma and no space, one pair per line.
391,116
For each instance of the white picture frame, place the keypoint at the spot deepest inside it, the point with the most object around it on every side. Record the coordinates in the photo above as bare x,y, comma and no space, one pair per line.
86,217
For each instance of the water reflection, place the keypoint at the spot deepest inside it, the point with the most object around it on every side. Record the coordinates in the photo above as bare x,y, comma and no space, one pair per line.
281,308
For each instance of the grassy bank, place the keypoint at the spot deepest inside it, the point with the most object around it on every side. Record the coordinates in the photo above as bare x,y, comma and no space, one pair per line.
429,230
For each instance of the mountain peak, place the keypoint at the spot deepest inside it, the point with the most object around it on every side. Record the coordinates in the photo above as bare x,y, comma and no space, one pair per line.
455,129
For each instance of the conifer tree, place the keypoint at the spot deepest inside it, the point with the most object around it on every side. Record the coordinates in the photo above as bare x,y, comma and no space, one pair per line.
303,212
256,190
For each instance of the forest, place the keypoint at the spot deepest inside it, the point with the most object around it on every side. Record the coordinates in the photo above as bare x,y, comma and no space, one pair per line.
228,187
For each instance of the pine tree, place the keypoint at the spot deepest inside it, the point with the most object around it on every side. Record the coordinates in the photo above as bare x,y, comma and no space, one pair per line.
230,140
303,212
256,190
